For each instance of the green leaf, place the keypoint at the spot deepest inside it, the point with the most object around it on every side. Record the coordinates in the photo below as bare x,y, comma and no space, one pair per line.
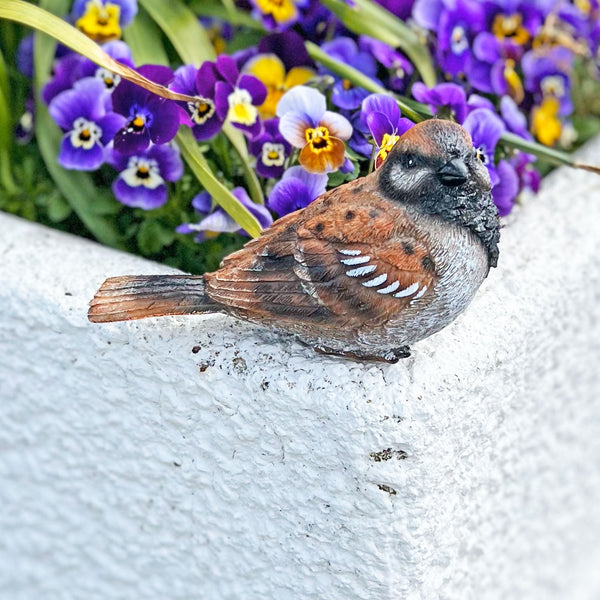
145,36
58,208
153,236
221,195
183,29
6,133
77,187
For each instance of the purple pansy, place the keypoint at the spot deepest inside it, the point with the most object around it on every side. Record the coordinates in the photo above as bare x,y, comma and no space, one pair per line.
529,176
118,50
381,114
237,97
143,175
400,68
218,220
547,74
65,72
149,118
507,188
296,189
306,123
444,95
289,47
82,113
485,128
344,93
515,120
455,23
202,114
400,8
271,150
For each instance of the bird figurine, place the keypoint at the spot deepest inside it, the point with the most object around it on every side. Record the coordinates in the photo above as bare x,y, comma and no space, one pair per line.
364,271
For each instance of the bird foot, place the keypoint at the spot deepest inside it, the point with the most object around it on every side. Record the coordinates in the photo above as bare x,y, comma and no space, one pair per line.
390,356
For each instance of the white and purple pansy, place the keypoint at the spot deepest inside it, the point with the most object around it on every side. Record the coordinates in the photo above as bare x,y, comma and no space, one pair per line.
142,176
306,123
82,114
270,149
201,115
237,97
149,118
118,50
217,220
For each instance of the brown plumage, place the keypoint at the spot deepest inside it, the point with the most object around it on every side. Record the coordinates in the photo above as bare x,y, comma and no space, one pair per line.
364,271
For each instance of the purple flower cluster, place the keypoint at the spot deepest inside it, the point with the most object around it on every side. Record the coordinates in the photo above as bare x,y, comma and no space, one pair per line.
505,66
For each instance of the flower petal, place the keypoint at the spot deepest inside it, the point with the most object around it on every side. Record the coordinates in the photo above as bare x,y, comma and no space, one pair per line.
140,196
79,159
505,192
293,128
337,124
304,100
324,161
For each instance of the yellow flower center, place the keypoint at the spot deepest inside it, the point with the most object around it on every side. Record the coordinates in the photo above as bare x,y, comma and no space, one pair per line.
318,139
387,143
585,6
545,123
282,11
138,123
273,155
100,21
515,86
201,110
347,84
511,27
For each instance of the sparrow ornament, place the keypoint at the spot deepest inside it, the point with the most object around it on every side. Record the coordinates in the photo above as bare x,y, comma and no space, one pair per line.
365,271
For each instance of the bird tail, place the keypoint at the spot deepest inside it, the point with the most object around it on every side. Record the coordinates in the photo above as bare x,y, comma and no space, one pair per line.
138,297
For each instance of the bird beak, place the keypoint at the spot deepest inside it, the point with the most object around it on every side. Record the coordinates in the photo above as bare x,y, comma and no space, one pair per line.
454,172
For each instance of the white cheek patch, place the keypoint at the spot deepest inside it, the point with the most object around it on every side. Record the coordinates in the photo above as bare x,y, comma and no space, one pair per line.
421,292
348,252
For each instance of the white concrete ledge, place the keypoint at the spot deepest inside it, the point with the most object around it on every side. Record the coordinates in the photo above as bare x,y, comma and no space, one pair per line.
193,458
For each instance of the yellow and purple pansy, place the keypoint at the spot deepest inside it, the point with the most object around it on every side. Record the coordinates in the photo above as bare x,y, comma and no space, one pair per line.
103,20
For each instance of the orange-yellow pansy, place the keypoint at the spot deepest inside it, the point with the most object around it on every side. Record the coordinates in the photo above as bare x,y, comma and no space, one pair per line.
545,123
100,21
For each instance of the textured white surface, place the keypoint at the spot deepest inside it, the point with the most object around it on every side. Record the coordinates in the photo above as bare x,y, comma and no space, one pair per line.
132,467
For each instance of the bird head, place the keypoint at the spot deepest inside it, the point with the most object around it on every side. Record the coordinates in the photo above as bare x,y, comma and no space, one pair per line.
434,168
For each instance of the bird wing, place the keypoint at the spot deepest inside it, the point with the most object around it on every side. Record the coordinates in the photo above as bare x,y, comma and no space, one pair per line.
338,263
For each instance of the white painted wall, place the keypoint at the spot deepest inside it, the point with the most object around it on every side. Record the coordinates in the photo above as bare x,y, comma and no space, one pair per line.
132,467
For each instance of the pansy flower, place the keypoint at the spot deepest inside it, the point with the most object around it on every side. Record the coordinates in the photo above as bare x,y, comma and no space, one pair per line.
399,67
448,96
485,128
455,24
149,118
103,20
269,69
381,114
118,50
506,190
271,150
143,175
515,120
344,93
277,14
237,97
306,123
81,112
65,72
295,190
217,220
202,114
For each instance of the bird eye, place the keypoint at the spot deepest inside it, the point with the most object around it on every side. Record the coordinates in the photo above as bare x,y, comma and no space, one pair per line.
410,161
